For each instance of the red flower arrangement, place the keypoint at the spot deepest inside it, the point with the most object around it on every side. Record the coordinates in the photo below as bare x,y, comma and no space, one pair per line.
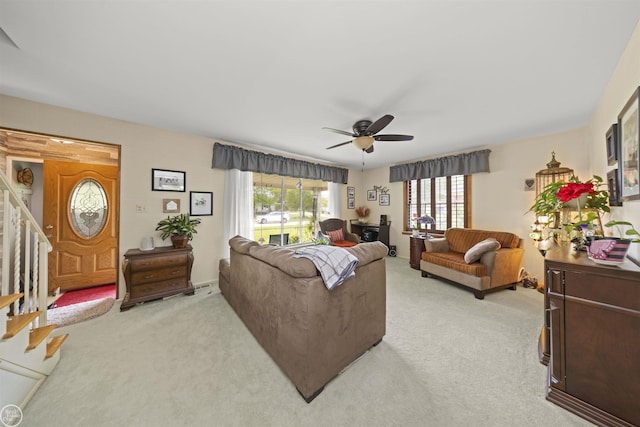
573,190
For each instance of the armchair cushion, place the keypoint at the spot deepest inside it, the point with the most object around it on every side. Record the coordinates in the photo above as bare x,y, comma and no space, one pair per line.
335,235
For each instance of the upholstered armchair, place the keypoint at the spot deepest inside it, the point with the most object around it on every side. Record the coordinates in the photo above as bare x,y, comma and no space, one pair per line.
336,229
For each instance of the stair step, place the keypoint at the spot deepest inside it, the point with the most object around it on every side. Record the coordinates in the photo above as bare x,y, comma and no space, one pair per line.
16,323
54,345
7,300
38,335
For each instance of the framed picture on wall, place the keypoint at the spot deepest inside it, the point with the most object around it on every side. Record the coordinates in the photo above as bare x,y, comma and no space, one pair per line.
168,180
351,203
614,188
385,200
351,192
372,195
629,157
612,144
201,203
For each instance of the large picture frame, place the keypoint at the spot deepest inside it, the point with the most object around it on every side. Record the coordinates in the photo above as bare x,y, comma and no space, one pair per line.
168,180
629,152
200,203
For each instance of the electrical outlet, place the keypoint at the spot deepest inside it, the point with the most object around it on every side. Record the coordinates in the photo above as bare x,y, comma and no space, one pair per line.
141,209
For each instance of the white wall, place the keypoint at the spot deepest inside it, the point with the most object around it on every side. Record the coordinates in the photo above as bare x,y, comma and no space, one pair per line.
499,201
624,81
143,148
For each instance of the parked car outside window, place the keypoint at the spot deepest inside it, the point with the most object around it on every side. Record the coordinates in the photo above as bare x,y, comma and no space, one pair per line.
273,217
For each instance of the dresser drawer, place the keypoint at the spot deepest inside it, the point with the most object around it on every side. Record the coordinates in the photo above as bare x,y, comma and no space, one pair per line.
148,290
159,261
147,276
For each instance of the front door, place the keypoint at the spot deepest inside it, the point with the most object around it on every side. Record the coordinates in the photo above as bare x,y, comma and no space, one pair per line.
79,218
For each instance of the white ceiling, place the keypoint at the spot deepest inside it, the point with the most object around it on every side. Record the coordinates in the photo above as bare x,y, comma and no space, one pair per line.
455,74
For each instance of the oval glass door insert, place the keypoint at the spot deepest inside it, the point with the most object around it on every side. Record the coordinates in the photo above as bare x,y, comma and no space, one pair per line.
88,208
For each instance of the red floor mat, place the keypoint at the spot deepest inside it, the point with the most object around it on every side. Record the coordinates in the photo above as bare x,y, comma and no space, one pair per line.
88,294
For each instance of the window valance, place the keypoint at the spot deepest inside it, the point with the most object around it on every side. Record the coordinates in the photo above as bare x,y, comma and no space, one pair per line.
232,157
459,164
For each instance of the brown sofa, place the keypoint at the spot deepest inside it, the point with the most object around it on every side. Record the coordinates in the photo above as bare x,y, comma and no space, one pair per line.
495,269
310,332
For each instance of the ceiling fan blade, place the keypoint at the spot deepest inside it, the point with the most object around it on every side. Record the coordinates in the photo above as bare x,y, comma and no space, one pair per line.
379,124
342,132
393,137
369,150
339,145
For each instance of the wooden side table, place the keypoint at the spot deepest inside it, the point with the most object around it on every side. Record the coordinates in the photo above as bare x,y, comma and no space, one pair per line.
156,274
415,250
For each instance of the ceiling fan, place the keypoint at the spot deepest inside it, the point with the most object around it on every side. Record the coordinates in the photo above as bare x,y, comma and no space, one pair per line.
364,134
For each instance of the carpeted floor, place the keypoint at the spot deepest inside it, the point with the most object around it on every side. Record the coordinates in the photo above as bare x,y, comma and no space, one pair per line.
447,359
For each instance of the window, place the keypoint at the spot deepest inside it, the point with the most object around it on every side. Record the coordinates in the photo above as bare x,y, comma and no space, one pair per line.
288,209
446,199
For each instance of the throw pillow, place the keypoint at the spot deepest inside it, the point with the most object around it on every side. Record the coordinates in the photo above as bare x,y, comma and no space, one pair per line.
477,250
336,235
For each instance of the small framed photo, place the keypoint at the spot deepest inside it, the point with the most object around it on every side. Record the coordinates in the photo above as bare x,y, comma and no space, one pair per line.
614,188
372,195
612,144
168,180
385,199
351,192
201,203
629,152
171,205
351,203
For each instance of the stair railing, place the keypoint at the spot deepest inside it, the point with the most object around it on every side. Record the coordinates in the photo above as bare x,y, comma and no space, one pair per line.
34,283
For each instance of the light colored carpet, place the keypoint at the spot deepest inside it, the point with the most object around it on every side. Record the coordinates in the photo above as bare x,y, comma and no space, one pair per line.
75,313
447,360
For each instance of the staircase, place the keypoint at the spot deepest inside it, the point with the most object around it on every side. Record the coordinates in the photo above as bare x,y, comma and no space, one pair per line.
28,352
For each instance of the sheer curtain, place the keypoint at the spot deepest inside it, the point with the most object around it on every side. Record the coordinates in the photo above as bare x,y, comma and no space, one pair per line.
238,206
335,200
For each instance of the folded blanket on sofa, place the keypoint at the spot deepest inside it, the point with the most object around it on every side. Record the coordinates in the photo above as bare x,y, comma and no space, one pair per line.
335,264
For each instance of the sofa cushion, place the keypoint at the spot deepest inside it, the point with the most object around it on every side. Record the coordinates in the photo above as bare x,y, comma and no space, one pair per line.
369,252
477,250
455,261
462,239
242,244
282,258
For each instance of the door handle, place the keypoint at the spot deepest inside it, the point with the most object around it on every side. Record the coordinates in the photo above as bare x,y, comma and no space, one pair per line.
48,227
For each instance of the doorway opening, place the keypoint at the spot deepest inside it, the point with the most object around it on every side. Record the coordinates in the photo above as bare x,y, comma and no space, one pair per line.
87,197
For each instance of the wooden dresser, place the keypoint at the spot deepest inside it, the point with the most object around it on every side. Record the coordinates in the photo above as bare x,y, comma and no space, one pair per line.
155,274
592,334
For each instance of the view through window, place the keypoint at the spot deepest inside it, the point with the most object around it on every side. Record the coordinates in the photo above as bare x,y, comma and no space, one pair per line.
446,199
287,210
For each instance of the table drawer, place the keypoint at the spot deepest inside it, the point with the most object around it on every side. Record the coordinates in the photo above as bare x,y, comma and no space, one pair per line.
158,261
150,276
147,290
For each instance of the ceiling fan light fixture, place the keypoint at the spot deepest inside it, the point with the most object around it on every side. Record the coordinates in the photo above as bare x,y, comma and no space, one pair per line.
363,142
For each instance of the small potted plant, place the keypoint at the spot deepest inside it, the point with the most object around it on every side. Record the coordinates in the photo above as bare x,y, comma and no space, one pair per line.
180,228
633,234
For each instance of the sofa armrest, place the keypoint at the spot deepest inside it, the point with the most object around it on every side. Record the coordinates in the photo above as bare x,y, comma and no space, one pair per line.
503,265
436,245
